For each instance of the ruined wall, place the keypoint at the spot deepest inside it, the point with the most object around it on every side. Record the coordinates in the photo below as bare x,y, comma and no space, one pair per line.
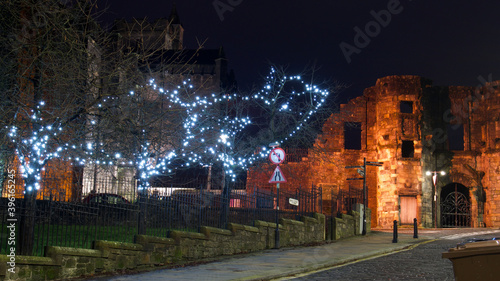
331,156
414,127
489,124
398,143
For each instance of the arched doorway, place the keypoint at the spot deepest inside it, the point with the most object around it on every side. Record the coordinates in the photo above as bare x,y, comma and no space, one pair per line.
455,206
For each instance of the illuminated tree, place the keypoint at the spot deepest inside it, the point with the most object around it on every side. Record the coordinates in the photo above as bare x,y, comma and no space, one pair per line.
46,62
58,68
235,130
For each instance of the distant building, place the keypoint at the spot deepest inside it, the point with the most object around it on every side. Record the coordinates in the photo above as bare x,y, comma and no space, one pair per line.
170,63
417,130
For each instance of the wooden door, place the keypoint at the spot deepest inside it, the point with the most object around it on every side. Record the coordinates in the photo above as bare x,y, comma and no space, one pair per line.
408,209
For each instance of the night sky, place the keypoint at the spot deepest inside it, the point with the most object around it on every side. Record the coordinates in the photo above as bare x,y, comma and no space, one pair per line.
450,42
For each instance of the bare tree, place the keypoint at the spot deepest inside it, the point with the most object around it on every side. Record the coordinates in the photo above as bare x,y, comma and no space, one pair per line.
60,71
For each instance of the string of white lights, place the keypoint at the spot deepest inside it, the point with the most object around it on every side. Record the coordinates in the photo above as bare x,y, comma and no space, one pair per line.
208,135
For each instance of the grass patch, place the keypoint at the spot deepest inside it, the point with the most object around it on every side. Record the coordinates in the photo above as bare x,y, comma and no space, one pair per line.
79,236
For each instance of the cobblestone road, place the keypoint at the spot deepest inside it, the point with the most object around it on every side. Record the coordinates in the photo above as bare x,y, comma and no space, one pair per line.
421,263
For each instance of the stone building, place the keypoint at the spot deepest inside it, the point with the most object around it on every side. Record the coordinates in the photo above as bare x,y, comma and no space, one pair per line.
440,148
170,63
169,60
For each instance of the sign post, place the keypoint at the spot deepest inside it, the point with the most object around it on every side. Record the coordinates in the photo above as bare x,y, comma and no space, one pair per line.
277,156
362,171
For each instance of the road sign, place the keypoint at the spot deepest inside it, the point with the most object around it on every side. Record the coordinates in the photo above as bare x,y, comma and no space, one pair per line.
293,201
349,167
278,176
361,171
277,155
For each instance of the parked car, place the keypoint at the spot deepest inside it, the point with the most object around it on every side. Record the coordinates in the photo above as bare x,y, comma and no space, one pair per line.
108,198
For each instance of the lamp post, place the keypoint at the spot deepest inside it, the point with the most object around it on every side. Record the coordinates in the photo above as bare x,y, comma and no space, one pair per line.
434,175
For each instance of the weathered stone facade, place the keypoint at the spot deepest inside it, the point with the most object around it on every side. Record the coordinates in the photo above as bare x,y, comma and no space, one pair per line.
414,127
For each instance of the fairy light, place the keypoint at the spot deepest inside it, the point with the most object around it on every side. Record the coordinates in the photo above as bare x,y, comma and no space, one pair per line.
198,133
206,138
35,148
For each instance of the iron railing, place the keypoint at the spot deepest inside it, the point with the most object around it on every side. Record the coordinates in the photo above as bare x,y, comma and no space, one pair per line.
53,222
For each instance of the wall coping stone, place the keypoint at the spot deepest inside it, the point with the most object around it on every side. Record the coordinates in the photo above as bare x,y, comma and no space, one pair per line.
341,220
103,244
208,230
30,260
68,251
144,239
177,235
309,220
234,226
258,223
347,217
320,217
290,221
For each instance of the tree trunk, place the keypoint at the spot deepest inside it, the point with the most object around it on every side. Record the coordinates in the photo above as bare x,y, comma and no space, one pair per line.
27,225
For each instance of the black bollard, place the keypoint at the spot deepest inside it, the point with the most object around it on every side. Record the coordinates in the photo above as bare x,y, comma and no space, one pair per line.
415,229
395,232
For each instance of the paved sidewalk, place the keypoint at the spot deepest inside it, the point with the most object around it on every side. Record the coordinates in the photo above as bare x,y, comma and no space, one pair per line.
271,264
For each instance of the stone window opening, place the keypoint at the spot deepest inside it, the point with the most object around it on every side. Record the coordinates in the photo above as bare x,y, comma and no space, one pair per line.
406,106
456,137
407,149
352,135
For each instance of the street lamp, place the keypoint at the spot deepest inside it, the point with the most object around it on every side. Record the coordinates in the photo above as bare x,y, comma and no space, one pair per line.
434,181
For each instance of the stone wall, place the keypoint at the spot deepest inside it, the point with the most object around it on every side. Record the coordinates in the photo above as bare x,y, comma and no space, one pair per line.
349,225
149,252
413,127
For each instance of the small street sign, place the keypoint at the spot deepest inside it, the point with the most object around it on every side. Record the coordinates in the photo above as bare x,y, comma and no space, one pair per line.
277,155
362,172
293,201
278,176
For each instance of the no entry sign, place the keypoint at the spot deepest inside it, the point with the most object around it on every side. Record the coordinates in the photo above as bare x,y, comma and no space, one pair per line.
277,155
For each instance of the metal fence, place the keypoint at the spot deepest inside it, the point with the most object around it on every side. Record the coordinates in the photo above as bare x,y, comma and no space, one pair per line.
34,224
340,202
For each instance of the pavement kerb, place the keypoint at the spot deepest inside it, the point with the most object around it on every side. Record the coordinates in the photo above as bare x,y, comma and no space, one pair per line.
396,247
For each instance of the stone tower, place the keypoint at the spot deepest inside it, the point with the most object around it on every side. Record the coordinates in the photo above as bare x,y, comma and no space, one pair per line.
145,35
174,37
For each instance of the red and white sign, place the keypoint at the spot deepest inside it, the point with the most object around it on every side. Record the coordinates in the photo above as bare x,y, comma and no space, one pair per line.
277,155
278,176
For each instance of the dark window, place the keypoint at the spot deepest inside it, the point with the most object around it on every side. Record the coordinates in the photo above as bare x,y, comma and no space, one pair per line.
407,149
352,135
406,106
456,137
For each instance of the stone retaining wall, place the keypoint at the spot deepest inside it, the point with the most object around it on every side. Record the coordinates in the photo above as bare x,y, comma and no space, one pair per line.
349,225
149,252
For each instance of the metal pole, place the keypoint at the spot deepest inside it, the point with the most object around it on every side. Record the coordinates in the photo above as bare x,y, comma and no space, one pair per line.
364,197
415,228
435,205
277,232
395,232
